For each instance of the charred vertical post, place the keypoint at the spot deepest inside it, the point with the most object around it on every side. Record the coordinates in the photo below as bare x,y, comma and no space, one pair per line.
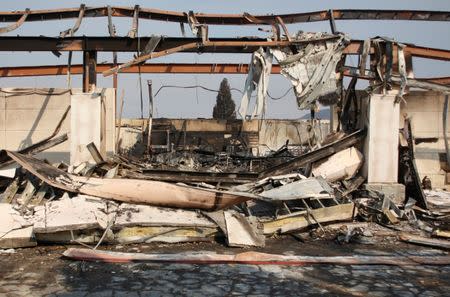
112,33
89,71
332,22
150,116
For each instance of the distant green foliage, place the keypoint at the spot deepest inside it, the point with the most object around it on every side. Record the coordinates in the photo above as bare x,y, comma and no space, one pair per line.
225,107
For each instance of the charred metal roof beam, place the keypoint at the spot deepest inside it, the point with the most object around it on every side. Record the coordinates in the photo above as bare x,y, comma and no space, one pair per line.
17,24
178,68
227,45
231,19
71,31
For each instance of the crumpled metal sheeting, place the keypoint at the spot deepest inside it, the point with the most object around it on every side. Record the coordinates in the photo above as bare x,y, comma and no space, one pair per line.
312,71
257,78
301,189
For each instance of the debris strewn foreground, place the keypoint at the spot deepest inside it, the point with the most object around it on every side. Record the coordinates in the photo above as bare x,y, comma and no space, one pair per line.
46,204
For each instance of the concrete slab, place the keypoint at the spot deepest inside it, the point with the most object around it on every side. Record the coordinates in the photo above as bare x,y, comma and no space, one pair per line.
164,234
240,232
75,213
18,238
342,165
144,215
15,231
394,191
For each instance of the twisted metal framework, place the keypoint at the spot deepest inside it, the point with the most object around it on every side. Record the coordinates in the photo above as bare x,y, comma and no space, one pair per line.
201,43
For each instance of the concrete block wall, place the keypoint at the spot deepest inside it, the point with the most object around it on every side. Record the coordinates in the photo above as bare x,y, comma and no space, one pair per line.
30,115
269,134
426,112
274,133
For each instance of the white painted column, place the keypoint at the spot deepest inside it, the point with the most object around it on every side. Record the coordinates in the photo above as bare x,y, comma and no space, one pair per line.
381,146
85,126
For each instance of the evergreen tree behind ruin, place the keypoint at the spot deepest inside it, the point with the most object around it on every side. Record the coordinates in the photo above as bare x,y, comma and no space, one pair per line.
225,107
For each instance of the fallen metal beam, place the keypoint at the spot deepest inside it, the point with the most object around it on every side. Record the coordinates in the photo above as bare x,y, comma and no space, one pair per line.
231,19
420,240
316,155
152,55
254,258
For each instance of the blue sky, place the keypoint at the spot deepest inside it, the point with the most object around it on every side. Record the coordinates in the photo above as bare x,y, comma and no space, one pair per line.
191,103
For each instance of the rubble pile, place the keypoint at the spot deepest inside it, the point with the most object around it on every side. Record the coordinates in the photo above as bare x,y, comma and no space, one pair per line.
120,201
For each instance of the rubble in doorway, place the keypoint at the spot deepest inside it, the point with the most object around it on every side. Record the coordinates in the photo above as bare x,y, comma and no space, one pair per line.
318,195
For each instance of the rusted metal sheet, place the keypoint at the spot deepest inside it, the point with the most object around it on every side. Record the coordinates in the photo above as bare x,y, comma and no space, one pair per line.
311,187
131,190
253,258
232,19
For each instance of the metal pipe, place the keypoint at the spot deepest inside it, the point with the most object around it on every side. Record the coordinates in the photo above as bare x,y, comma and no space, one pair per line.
444,118
95,153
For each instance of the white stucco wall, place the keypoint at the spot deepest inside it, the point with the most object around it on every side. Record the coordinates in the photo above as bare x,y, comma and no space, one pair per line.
30,115
426,112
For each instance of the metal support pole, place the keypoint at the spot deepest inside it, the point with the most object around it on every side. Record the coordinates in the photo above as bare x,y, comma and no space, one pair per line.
150,116
332,23
89,71
444,118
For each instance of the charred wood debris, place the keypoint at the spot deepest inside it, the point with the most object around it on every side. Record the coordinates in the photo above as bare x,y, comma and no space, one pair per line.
197,194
